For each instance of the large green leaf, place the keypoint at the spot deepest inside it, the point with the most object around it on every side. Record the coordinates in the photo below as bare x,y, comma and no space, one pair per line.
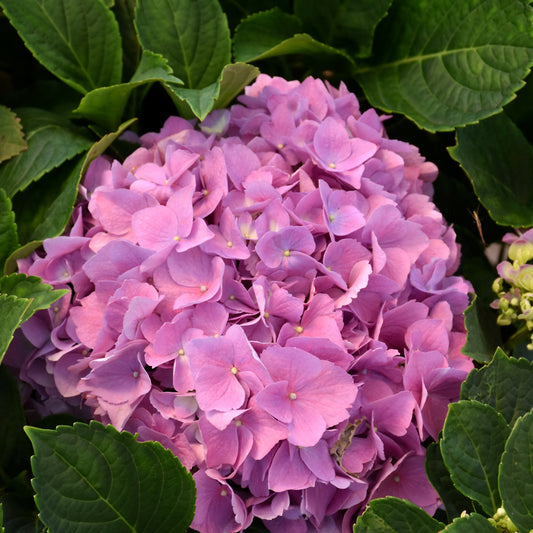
483,335
11,135
12,309
20,253
447,63
356,22
106,105
99,147
392,515
194,102
45,207
275,33
199,102
498,159
454,501
40,295
232,81
92,478
505,383
473,439
474,523
52,140
318,18
192,34
20,297
124,11
77,41
516,474
8,229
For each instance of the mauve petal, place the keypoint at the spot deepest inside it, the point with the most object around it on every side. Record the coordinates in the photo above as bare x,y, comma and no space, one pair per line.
113,260
218,509
65,378
318,459
182,379
222,445
361,450
307,425
393,414
266,431
331,142
288,472
119,381
173,406
275,247
274,399
155,227
113,209
217,388
198,276
240,162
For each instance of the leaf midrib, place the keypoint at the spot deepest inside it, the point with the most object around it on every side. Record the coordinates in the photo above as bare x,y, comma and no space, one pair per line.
434,55
70,48
105,500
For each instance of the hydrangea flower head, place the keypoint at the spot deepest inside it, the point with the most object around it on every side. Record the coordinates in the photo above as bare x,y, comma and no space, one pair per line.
271,295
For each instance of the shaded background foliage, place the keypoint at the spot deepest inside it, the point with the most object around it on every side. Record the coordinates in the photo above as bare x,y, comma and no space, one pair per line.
74,76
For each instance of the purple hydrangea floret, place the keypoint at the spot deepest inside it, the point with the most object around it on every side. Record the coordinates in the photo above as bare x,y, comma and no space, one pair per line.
271,295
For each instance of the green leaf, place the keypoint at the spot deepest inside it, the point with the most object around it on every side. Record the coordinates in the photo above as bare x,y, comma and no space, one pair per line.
20,513
95,475
498,159
194,102
200,102
45,207
516,474
473,439
393,515
445,63
233,80
124,11
474,523
454,501
505,383
192,34
40,295
318,18
8,228
20,253
51,141
274,33
15,447
12,309
483,335
356,22
99,147
77,41
106,105
11,135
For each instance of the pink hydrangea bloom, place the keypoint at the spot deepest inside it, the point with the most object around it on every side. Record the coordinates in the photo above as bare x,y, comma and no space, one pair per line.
270,295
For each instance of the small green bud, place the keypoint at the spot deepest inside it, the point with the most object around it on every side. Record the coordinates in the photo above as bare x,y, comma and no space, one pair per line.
503,320
521,252
503,304
497,285
525,305
524,278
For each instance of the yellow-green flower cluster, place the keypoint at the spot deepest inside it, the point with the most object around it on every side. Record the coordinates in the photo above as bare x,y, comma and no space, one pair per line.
514,286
